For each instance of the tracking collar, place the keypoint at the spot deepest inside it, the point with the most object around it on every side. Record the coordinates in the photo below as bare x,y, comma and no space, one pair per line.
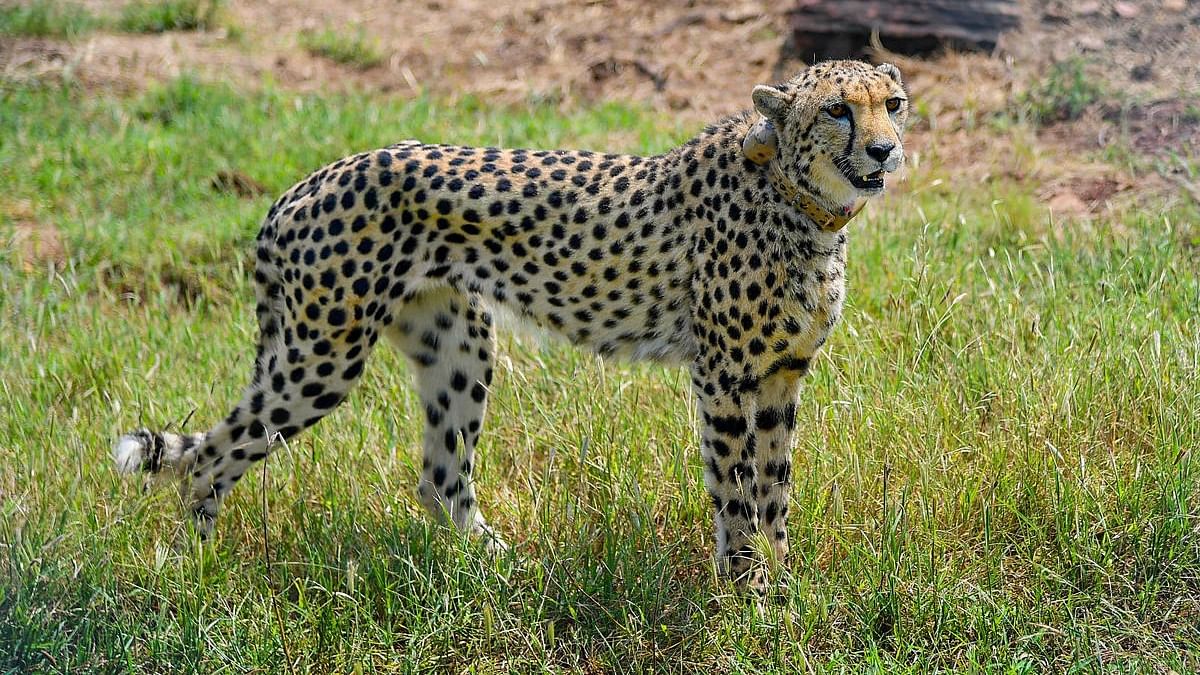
792,194
761,145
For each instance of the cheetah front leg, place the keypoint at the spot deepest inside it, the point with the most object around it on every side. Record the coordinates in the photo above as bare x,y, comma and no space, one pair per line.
727,443
775,421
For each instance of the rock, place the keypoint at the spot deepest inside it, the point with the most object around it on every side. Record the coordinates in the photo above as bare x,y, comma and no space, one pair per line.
844,28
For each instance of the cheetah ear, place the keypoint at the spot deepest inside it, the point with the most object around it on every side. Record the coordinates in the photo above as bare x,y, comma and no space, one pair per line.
761,143
891,71
771,102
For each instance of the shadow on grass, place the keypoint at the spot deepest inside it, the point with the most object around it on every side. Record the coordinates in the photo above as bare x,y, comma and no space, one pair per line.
333,587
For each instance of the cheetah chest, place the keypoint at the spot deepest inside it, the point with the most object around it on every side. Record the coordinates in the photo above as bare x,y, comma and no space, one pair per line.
823,311
808,308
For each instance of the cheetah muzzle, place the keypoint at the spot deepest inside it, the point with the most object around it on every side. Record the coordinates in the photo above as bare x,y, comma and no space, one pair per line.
726,255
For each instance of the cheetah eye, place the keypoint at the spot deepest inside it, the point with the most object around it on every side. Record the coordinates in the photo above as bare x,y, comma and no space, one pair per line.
838,111
893,104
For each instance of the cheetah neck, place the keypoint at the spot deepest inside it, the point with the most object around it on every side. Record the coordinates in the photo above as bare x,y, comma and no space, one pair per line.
825,219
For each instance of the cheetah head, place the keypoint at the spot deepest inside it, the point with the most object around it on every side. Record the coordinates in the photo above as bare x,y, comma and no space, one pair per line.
835,129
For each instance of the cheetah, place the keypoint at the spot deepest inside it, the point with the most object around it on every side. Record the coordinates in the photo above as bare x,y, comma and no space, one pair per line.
726,255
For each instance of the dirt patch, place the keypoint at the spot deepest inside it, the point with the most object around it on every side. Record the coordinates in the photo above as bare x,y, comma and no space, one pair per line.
1162,127
33,58
1140,49
673,56
1082,195
1159,138
36,245
1143,58
31,243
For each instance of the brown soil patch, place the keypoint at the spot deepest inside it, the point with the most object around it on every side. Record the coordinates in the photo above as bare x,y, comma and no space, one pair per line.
1081,195
1143,49
36,245
672,56
1161,127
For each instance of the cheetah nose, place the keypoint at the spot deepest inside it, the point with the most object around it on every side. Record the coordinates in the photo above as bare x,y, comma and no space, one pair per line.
880,150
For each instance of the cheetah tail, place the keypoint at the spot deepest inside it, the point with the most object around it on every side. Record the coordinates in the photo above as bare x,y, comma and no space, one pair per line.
152,451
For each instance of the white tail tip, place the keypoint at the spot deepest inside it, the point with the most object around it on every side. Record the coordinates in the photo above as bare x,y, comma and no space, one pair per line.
128,454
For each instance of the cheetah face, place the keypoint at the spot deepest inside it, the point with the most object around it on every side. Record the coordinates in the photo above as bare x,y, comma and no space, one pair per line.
838,127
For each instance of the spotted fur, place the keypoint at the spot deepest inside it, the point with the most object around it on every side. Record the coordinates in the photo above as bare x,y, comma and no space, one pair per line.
691,257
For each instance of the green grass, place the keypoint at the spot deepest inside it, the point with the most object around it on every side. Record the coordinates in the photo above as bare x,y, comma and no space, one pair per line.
1064,92
160,16
46,18
347,48
66,19
1027,393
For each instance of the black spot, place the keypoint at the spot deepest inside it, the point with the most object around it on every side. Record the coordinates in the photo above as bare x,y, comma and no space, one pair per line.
769,418
731,425
353,371
327,401
771,513
433,416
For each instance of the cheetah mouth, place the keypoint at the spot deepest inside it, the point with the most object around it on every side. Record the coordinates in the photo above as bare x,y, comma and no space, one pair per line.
871,181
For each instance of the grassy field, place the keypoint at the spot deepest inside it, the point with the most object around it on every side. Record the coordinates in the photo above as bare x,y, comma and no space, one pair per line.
995,458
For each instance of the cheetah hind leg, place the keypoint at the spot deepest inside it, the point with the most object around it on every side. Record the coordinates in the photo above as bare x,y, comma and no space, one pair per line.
449,339
274,408
290,391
